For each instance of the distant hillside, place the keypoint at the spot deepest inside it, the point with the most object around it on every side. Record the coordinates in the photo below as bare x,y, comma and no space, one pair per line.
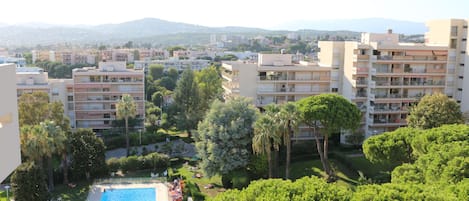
374,25
156,31
32,34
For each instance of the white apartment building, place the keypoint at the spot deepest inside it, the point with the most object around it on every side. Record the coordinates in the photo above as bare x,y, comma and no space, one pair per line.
276,79
381,75
384,77
10,150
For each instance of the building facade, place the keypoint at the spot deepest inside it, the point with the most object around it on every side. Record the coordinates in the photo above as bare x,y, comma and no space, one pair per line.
381,75
275,79
96,92
10,150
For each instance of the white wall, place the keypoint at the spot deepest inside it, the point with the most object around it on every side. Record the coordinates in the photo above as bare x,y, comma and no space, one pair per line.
10,156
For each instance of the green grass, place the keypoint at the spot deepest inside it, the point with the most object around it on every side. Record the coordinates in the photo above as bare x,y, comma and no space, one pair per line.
3,195
347,177
184,171
78,193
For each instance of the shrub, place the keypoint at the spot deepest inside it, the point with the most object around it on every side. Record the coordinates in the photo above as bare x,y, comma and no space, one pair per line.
240,179
114,164
29,183
152,161
130,163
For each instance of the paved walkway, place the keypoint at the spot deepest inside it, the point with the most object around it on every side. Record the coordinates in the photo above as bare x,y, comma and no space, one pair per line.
178,148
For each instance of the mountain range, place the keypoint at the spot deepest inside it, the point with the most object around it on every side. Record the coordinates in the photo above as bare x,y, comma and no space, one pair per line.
31,34
373,25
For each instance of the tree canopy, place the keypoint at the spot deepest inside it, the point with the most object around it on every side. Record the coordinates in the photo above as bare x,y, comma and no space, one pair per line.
224,137
88,159
433,111
28,183
329,113
187,101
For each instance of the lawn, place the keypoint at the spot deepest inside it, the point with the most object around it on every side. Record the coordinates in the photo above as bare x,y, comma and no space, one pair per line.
347,177
3,195
78,193
186,171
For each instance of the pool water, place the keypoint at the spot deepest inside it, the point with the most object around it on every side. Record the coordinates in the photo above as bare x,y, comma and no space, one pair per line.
134,194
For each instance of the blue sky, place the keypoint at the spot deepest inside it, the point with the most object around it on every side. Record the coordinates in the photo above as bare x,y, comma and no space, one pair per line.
249,13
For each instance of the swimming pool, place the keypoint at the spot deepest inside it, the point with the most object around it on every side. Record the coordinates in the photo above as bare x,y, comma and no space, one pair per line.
134,194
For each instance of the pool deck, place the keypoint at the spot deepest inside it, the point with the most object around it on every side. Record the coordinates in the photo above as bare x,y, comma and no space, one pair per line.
97,190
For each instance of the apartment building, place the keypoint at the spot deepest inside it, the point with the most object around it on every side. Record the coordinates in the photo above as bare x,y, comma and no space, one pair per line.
384,77
453,33
152,54
97,90
31,79
10,155
276,79
34,79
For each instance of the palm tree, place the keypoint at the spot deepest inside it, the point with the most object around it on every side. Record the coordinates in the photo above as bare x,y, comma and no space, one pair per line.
265,137
56,144
288,118
126,108
34,143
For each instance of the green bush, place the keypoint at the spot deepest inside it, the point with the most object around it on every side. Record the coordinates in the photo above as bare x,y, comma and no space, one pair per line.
152,161
28,182
113,164
191,189
240,179
130,163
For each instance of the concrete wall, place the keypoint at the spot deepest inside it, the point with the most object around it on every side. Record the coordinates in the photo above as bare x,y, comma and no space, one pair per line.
10,148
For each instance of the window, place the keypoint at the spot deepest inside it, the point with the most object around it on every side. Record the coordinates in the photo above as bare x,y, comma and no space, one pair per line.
453,44
454,31
70,98
335,89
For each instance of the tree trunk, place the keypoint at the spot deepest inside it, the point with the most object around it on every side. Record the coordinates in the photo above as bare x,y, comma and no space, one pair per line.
276,159
50,172
189,133
269,160
65,167
326,158
325,165
127,143
287,163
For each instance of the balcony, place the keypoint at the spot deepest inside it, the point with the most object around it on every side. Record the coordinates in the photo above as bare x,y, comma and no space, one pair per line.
361,57
372,84
389,122
359,82
373,71
360,70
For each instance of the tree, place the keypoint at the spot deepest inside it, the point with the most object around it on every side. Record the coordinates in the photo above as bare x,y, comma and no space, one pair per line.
224,137
34,143
209,83
306,188
392,148
156,71
265,138
187,102
289,120
167,82
88,154
28,183
125,109
331,113
56,140
33,108
433,111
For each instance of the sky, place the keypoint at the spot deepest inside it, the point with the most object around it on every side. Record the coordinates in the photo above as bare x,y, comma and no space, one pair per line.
218,13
